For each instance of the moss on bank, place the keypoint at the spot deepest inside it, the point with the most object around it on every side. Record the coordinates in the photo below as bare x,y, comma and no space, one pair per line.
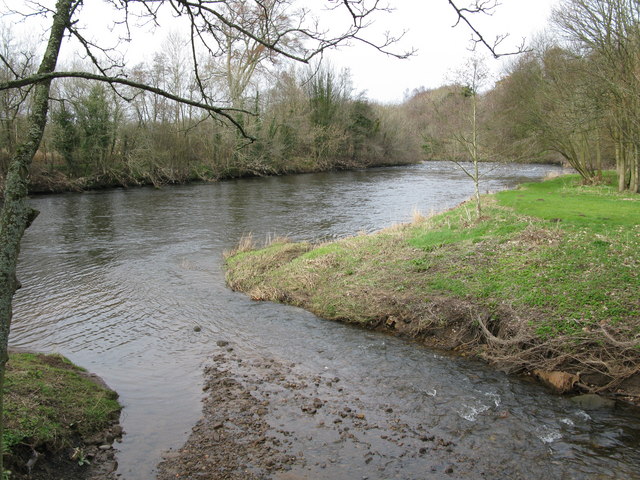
547,280
56,409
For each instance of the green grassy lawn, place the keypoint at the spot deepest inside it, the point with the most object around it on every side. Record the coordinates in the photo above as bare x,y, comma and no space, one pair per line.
552,263
565,200
568,251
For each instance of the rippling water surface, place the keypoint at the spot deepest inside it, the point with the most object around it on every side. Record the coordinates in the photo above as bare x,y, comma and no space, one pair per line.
118,280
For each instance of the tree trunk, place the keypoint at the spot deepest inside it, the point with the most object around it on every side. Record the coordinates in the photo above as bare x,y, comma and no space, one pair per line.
621,166
634,181
17,215
598,159
475,157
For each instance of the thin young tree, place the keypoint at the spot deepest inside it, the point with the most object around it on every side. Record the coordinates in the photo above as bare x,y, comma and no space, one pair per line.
471,78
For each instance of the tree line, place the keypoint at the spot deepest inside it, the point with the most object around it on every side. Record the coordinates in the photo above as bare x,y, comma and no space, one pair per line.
572,97
300,120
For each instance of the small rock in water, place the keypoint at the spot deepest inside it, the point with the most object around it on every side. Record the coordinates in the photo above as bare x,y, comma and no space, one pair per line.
197,328
222,343
591,401
561,382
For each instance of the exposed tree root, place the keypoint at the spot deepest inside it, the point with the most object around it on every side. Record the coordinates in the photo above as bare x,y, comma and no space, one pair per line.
592,355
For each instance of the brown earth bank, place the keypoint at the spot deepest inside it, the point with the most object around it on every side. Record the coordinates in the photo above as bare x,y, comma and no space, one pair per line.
46,181
558,375
97,462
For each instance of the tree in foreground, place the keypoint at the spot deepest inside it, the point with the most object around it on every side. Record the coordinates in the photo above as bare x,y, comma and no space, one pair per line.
272,28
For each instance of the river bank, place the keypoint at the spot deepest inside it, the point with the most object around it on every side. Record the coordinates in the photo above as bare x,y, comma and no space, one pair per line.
45,180
545,283
60,421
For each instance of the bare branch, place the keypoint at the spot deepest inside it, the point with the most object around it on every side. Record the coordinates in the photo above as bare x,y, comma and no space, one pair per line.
486,7
226,113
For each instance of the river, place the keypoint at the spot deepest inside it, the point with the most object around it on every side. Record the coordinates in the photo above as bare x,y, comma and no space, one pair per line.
119,280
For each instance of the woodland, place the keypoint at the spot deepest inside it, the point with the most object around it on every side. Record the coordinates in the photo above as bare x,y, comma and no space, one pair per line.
570,96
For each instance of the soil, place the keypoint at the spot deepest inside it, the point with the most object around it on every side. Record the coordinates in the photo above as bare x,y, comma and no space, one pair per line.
94,460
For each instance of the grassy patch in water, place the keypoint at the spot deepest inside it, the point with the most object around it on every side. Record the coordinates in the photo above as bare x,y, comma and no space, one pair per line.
552,262
49,403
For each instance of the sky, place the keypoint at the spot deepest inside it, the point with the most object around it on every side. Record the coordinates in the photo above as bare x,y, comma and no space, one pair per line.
441,49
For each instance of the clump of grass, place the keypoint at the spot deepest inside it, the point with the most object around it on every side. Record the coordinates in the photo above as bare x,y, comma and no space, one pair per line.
245,244
248,244
418,217
50,403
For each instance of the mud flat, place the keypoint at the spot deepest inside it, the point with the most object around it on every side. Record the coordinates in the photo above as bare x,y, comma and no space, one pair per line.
267,418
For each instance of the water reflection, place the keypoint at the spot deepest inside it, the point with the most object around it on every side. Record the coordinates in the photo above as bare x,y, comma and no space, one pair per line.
118,280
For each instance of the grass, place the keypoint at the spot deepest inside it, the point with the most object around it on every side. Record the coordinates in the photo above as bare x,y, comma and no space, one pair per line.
565,200
554,262
49,403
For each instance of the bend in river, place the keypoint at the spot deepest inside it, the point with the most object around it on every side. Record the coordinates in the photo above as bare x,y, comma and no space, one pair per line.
118,281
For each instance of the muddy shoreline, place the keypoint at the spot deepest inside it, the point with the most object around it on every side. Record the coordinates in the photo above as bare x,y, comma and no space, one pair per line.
267,418
245,432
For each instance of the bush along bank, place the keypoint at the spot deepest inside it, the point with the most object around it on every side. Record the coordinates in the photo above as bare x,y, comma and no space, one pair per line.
60,421
545,283
45,180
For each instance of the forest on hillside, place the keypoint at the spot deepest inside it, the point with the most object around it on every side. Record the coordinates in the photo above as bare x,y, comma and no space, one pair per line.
571,97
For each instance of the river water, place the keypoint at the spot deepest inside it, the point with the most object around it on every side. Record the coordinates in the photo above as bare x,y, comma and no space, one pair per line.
118,281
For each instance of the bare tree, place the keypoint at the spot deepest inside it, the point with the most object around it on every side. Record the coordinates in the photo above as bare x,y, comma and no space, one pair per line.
471,78
607,34
242,55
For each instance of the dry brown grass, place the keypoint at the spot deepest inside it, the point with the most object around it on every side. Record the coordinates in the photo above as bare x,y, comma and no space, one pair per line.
247,243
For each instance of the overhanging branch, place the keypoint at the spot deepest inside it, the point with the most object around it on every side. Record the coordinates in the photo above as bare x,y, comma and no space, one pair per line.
486,7
220,111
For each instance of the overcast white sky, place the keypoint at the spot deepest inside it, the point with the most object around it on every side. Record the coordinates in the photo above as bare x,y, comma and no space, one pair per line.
441,48
428,23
